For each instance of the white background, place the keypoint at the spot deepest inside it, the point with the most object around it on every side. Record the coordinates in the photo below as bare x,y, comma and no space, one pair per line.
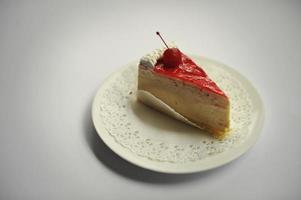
54,55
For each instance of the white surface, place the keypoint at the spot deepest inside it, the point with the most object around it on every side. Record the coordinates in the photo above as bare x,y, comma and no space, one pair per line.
154,141
52,52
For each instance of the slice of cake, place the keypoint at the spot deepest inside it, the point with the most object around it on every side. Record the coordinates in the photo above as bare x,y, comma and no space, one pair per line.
171,82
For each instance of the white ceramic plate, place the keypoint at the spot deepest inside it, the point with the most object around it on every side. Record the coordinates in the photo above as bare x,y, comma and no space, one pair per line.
157,142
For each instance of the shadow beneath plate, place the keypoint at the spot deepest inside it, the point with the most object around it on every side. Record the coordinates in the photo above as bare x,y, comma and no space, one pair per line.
122,167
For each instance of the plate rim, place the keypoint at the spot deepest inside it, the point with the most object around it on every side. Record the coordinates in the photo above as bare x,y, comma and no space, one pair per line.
217,160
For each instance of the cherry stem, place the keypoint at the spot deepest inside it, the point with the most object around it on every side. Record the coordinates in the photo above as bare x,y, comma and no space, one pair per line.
162,39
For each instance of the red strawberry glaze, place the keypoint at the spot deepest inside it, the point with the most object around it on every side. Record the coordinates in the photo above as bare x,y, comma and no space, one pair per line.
189,72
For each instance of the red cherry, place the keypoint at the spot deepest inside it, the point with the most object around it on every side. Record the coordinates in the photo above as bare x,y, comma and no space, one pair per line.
172,57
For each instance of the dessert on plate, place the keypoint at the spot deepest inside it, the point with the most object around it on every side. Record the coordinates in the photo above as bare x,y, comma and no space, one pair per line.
171,82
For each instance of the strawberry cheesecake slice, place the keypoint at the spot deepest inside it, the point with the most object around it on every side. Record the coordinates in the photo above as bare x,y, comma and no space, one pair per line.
169,81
